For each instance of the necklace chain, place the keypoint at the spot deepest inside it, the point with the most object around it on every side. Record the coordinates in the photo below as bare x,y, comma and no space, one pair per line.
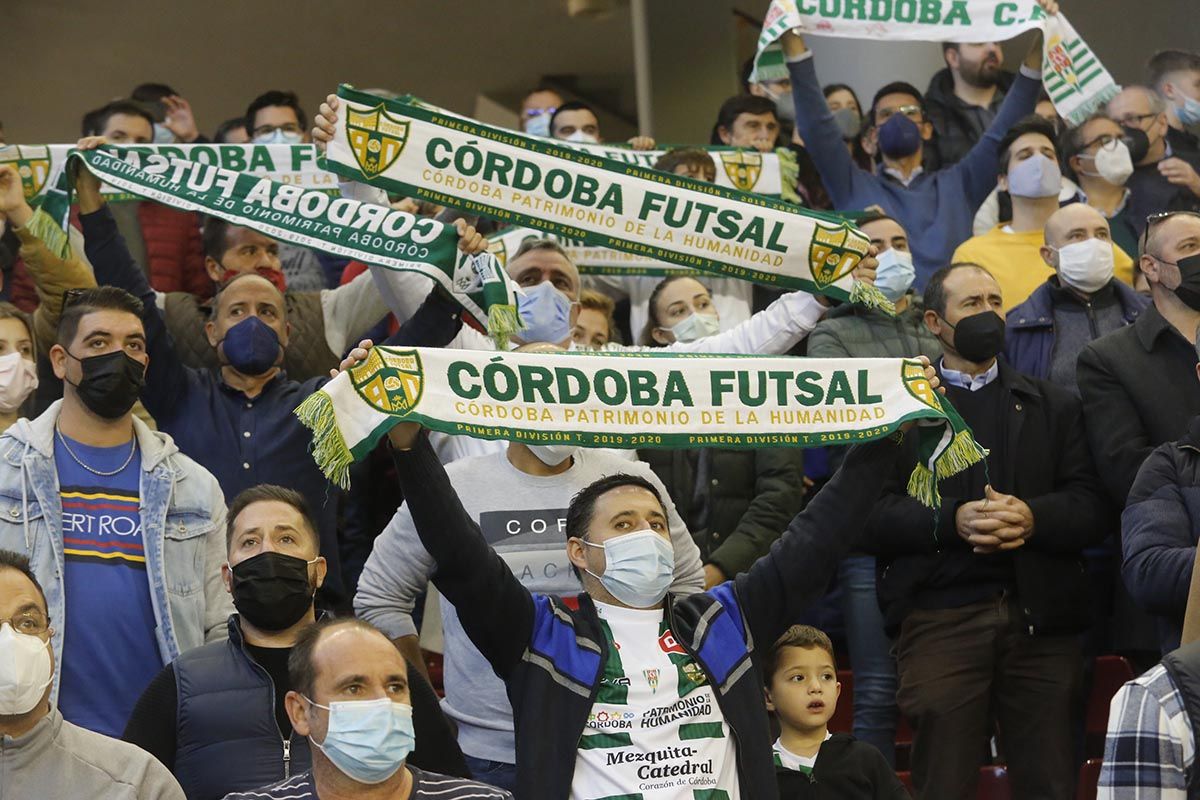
79,461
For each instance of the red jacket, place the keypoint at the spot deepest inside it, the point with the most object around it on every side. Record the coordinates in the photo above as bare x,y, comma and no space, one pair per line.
174,251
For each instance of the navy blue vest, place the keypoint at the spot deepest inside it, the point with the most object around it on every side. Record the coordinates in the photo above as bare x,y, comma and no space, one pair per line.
228,739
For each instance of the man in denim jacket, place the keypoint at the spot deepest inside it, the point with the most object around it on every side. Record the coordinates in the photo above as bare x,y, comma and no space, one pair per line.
125,533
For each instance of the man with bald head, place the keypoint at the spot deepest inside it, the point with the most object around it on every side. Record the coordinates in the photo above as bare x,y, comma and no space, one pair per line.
351,697
237,419
1138,383
1164,178
1079,303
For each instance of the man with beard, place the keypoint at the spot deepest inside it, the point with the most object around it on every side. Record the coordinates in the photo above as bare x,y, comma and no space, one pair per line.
962,99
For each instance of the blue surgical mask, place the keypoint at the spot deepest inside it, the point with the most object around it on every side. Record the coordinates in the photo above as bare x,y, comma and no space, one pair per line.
546,313
1036,176
279,136
895,273
538,125
696,326
251,346
899,137
638,567
163,134
368,740
1189,112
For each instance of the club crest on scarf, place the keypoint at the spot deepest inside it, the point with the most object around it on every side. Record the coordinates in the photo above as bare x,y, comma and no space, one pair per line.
835,251
743,169
913,375
1073,67
376,138
33,165
391,381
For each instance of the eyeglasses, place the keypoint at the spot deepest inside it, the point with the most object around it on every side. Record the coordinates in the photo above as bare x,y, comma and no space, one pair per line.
266,130
1135,119
1155,219
912,112
530,113
31,622
1104,140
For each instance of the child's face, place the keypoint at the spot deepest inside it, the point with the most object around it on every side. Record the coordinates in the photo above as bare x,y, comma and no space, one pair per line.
804,689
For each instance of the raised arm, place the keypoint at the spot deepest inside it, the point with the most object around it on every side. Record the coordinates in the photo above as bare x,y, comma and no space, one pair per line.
496,611
815,123
350,311
167,379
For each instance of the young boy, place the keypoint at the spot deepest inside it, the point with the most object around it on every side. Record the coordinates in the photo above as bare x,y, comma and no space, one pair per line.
802,690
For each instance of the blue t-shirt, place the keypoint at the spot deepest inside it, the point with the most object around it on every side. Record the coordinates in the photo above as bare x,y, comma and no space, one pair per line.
110,651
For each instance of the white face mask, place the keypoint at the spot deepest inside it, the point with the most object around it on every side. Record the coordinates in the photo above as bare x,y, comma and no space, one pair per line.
1087,265
1113,162
695,327
581,137
18,379
279,136
25,670
538,125
553,454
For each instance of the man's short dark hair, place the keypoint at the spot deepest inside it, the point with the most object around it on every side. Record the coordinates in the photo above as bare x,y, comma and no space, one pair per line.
275,97
798,636
214,237
1164,62
1031,124
570,105
94,122
737,105
692,157
152,95
78,305
20,562
583,504
269,492
896,87
228,126
302,673
877,216
935,290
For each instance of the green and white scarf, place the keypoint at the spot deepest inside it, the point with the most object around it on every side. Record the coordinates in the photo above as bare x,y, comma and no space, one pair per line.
1073,77
644,400
311,218
450,160
590,259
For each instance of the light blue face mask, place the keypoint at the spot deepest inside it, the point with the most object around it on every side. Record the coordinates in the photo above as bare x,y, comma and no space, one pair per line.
895,273
1189,112
538,125
638,567
546,313
163,134
367,739
279,136
1036,176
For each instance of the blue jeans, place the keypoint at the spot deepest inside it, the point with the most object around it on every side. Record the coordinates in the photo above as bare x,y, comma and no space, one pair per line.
493,773
871,659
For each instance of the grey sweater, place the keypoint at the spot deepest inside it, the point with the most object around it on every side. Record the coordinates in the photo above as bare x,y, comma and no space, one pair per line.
60,761
523,518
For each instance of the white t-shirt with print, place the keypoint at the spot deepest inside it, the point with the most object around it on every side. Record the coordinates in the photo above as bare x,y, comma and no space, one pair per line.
788,760
655,730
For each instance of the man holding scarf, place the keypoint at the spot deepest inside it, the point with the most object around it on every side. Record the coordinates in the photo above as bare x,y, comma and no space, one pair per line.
236,420
625,688
935,207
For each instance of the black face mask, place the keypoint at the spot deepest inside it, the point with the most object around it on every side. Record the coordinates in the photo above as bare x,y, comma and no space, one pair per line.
1138,143
111,383
1188,289
272,591
979,337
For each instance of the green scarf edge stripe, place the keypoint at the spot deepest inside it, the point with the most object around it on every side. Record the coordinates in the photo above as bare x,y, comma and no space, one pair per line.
46,228
329,449
1093,104
419,111
962,453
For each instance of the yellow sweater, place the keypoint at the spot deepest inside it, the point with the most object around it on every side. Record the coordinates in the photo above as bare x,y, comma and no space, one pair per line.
1015,260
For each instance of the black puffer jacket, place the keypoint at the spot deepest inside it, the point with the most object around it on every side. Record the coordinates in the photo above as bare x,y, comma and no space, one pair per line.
959,124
